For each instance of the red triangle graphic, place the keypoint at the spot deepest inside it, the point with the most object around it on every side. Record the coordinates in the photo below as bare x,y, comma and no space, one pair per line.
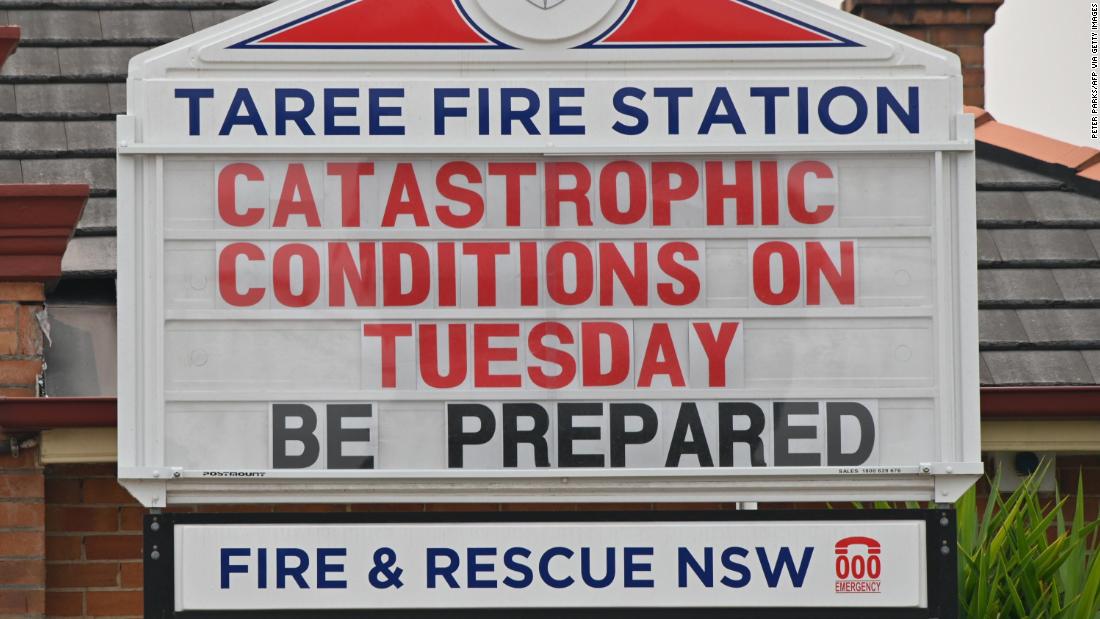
707,21
383,22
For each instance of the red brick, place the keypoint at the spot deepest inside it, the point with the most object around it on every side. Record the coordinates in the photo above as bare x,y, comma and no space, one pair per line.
21,485
115,604
22,544
106,491
27,460
133,575
19,372
30,334
9,316
78,575
65,603
131,519
97,547
75,519
61,491
63,547
22,601
25,572
17,392
21,515
9,343
20,291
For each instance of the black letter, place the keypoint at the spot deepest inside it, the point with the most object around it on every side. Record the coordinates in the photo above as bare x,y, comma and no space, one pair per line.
535,437
785,433
620,438
338,435
457,439
834,412
727,436
567,433
281,434
688,419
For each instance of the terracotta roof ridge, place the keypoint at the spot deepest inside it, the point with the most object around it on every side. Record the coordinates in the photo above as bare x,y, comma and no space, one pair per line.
9,40
36,223
1079,160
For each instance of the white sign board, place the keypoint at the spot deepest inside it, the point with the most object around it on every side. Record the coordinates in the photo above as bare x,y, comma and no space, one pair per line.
603,250
757,565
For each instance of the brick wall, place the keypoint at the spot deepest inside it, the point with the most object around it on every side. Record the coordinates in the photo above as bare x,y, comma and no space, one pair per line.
20,338
22,541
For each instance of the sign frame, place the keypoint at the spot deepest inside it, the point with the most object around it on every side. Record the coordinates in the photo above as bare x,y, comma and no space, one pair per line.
941,560
146,470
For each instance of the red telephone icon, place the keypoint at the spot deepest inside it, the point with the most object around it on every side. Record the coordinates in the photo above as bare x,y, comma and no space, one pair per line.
858,566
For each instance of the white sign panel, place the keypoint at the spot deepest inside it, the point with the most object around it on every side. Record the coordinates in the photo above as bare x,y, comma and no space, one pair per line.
609,250
841,564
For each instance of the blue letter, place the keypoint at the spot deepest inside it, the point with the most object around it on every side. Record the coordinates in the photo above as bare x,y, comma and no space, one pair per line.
586,569
557,110
730,564
332,112
721,99
282,570
377,111
324,568
705,572
637,113
786,562
769,95
508,114
673,95
448,572
243,99
228,568
526,575
299,116
630,566
910,119
473,568
544,567
824,110
193,95
442,112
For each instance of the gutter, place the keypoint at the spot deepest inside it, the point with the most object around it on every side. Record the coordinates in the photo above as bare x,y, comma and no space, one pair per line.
998,404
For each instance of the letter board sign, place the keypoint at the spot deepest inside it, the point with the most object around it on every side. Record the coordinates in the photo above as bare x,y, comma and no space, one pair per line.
837,564
599,250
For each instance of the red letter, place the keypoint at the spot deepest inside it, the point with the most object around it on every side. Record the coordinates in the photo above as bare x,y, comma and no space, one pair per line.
360,275
296,198
689,280
556,195
591,354
664,194
227,195
718,192
227,274
485,355
393,294
448,281
405,183
311,275
557,356
465,195
796,192
717,348
389,334
555,273
820,266
513,174
609,192
350,197
660,358
762,273
635,283
769,193
529,274
486,269
456,356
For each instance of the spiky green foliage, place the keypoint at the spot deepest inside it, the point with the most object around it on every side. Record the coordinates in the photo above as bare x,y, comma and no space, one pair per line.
1019,559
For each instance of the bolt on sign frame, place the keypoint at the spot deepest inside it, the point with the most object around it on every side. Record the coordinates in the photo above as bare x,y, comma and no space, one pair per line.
610,250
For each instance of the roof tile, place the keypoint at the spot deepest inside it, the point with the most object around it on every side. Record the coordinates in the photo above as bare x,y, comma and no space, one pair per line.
32,136
1078,284
57,25
1037,207
995,175
1000,327
32,62
1038,367
10,171
1019,286
1067,327
99,216
96,135
96,61
61,98
99,173
143,25
1044,245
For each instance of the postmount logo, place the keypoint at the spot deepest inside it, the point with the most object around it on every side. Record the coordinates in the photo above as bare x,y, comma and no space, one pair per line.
858,565
546,4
